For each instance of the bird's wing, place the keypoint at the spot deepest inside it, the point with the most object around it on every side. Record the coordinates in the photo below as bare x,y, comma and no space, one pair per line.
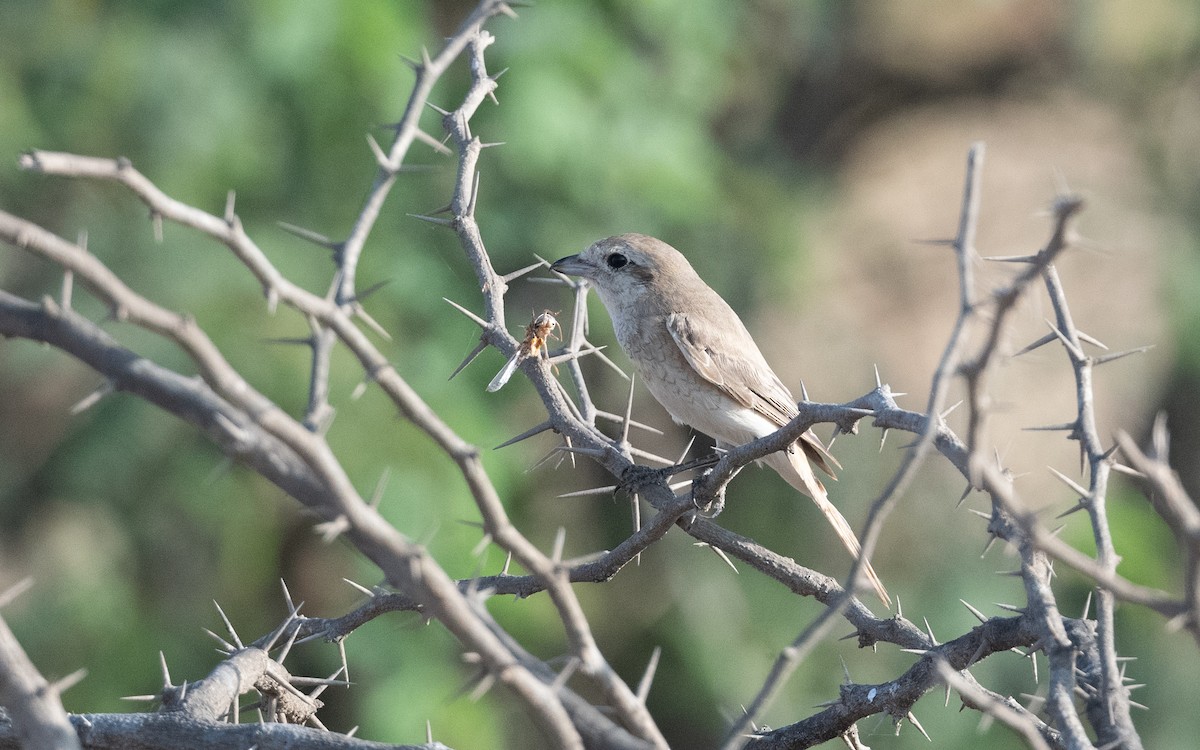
722,358
725,362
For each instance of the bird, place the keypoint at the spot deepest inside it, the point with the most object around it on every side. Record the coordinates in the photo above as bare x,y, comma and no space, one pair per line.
700,362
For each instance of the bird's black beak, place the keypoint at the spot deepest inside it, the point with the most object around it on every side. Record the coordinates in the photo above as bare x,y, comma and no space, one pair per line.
572,265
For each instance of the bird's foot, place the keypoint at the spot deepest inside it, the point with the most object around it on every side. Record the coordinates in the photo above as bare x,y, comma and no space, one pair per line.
636,477
709,507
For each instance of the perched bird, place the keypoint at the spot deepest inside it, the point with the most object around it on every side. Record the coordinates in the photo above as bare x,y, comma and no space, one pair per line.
698,360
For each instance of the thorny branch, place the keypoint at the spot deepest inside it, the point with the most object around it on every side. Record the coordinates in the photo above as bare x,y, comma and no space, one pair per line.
406,565
293,454
34,704
964,249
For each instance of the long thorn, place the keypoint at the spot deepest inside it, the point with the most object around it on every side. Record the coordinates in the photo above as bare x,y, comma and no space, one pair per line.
513,275
316,238
439,221
1060,427
628,412
478,320
535,430
1036,345
469,358
360,587
1090,339
1012,258
1119,355
18,588
973,610
63,684
917,724
1068,481
607,490
632,423
228,624
643,688
1081,505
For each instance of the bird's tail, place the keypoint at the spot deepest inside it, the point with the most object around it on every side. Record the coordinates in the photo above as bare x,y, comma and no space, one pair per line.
793,466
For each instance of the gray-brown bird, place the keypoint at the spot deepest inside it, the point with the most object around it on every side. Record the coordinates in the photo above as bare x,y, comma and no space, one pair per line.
698,360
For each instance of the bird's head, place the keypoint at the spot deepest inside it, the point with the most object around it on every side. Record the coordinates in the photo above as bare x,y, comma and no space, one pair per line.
628,268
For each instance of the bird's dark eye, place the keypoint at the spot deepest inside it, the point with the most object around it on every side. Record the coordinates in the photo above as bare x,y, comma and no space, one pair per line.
616,260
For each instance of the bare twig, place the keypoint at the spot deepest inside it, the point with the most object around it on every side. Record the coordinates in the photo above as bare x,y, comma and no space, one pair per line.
34,705
1010,713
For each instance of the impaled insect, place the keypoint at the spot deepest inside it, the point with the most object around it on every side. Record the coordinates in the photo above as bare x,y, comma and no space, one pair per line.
537,332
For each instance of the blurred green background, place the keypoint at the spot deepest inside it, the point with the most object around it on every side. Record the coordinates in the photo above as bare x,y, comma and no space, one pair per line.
796,151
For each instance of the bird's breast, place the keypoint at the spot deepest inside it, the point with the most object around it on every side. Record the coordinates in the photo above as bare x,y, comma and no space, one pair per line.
687,396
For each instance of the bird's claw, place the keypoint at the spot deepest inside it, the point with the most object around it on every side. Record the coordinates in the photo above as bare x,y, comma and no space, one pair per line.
715,505
636,476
